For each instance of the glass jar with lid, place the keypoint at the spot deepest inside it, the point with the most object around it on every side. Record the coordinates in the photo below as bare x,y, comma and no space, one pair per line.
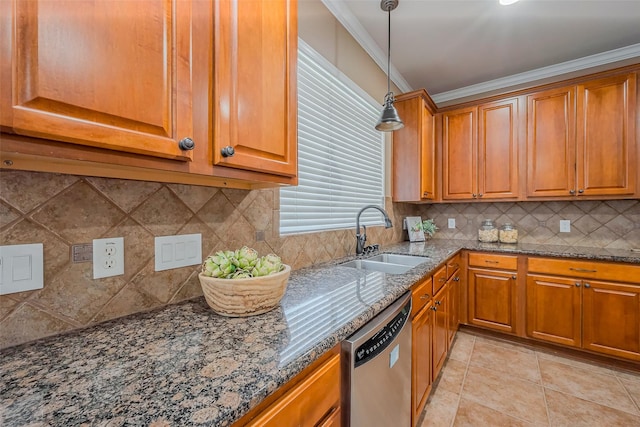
488,233
508,233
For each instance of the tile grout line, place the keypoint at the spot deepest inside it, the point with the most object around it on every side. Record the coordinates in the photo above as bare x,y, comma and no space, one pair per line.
464,378
636,404
544,393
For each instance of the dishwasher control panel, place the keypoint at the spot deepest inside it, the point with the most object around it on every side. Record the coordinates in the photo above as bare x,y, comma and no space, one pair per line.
380,341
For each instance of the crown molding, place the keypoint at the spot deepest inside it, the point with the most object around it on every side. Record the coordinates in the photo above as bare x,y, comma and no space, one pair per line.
599,59
348,20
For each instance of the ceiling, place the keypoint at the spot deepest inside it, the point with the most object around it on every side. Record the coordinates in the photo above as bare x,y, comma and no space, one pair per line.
461,48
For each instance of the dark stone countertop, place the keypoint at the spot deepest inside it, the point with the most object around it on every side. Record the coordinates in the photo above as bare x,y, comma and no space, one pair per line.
186,365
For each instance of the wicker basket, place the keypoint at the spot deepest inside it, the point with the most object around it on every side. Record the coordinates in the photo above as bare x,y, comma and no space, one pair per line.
245,297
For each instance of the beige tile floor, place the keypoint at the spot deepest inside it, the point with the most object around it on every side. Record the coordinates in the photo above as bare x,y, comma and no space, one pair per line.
489,382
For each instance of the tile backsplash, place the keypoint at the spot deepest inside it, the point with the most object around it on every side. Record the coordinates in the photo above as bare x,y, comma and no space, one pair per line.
612,224
60,210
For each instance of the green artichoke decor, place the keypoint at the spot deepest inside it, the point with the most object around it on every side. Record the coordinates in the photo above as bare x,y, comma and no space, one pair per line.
241,264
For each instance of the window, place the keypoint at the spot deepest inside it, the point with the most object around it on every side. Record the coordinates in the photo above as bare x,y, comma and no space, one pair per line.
340,154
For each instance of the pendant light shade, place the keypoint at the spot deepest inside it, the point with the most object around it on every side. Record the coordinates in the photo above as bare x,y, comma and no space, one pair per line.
389,119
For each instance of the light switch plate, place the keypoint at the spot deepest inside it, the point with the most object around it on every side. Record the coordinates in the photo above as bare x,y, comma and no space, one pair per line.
565,226
108,257
21,268
178,251
451,223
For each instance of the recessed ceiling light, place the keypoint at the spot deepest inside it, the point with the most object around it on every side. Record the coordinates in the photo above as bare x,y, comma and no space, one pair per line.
507,2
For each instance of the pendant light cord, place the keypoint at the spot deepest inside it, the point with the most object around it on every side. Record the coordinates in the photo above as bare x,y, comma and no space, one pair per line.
389,51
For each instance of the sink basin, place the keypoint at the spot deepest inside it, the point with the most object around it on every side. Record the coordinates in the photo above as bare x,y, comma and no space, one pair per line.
387,263
399,259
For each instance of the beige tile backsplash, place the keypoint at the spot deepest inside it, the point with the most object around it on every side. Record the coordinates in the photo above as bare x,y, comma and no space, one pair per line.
613,224
61,210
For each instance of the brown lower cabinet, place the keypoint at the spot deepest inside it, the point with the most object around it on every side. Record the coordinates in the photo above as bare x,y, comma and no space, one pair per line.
492,299
596,315
313,400
421,378
440,329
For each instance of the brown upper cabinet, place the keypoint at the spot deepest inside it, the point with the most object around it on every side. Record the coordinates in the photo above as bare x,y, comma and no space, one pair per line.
581,139
103,74
176,90
414,151
480,152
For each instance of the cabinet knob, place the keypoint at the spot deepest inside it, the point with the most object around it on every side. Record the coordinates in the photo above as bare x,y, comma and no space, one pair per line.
514,277
456,279
586,285
577,284
186,144
434,308
438,302
227,151
581,191
425,194
474,195
572,192
480,195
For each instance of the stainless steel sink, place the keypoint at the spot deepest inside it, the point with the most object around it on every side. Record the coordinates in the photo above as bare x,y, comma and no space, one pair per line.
387,263
399,259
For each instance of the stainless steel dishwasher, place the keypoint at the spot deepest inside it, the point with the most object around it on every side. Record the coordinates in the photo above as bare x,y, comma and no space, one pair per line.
376,383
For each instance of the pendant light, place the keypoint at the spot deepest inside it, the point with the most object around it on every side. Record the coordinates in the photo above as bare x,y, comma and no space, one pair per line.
389,119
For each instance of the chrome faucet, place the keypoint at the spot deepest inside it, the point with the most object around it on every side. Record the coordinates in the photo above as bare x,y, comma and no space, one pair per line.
362,238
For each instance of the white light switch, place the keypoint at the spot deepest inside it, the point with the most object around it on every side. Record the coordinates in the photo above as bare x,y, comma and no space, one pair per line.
565,226
178,251
21,268
451,223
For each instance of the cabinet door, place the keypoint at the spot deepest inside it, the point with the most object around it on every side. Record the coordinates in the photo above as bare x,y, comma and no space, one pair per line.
255,59
498,150
422,326
611,319
428,155
459,154
313,401
606,137
107,74
492,299
551,148
553,309
440,330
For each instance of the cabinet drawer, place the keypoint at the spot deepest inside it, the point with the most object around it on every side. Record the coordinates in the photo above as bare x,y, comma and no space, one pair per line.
502,262
439,279
420,295
312,401
585,269
453,264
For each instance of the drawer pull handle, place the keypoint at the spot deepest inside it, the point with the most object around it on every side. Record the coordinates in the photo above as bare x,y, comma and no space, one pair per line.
454,266
582,270
491,262
442,280
425,296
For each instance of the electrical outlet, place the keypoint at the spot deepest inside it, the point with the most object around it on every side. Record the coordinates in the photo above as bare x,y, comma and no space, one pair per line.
565,226
108,257
451,223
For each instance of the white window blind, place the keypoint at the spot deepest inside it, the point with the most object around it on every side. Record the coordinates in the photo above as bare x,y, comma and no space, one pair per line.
340,154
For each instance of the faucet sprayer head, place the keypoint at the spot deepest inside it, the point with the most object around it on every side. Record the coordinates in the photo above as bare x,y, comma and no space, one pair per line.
387,222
